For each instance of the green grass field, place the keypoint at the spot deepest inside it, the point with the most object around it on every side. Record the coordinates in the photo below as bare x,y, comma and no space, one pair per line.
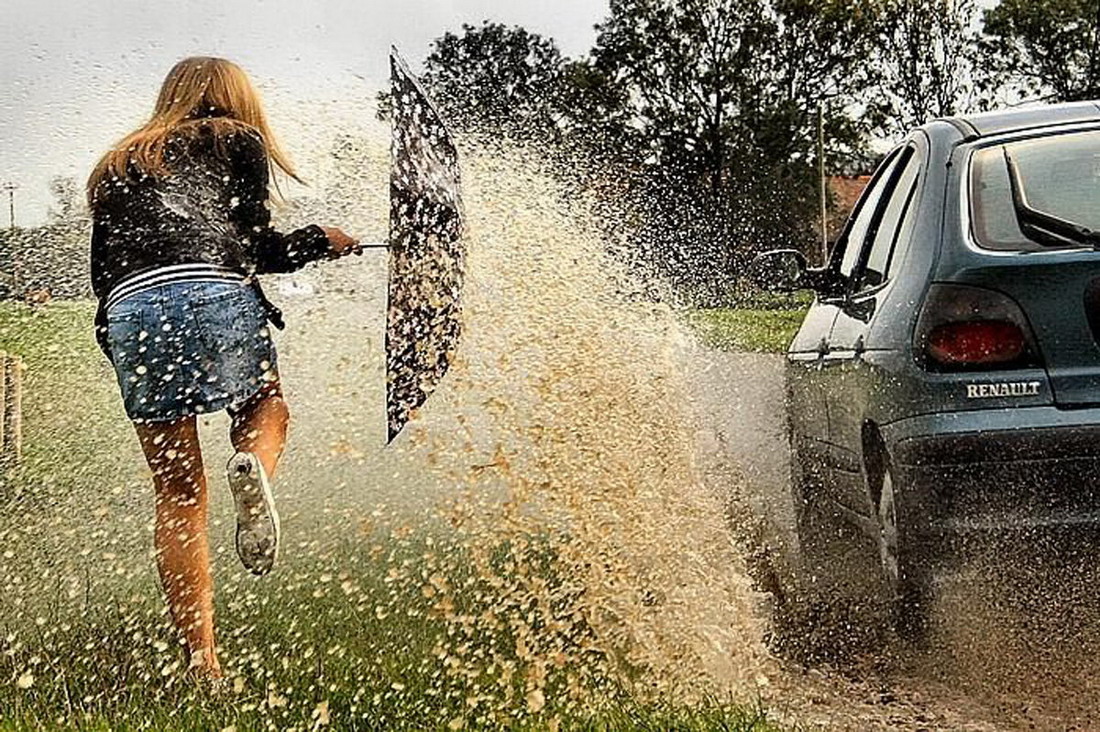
760,330
70,403
362,627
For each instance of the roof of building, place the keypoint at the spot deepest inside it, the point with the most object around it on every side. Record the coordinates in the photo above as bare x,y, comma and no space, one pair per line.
846,190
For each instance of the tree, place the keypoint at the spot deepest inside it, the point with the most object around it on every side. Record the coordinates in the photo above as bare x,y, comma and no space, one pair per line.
1049,48
68,201
699,114
722,97
813,54
929,63
492,78
707,76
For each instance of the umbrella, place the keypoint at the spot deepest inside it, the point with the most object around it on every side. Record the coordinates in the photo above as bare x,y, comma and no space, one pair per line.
427,253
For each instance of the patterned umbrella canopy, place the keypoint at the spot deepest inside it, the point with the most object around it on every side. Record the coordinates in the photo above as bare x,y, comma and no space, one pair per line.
427,251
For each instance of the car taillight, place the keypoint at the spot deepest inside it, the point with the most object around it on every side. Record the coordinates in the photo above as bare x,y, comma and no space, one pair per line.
964,327
976,342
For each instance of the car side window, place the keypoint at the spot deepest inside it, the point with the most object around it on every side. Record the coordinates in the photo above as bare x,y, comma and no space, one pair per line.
887,230
905,231
865,215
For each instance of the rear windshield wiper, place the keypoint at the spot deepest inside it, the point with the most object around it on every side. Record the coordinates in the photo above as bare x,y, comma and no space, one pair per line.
1042,227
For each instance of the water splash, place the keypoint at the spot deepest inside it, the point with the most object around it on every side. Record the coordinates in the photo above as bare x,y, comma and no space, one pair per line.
567,417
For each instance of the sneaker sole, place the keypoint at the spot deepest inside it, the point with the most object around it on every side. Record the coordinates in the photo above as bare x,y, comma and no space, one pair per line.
257,520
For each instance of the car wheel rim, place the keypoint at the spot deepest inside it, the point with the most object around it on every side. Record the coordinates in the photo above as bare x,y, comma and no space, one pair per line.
888,532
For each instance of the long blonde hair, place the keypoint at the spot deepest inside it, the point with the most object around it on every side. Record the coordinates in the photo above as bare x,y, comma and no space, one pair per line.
200,91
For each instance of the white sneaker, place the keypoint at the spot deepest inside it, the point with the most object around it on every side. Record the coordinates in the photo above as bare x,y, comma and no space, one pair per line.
257,519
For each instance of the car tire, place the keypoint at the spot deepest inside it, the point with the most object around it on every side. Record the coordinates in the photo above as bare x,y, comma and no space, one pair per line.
906,572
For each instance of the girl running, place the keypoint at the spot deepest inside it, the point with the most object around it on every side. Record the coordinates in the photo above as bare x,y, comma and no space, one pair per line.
181,229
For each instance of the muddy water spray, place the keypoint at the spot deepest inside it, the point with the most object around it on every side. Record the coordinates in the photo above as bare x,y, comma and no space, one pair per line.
567,423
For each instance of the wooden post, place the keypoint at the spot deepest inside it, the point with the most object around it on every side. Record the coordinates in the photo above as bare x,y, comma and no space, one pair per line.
3,409
822,185
11,410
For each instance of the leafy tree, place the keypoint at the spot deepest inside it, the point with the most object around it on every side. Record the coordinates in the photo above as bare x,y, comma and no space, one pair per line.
704,77
68,201
699,115
1049,48
820,58
493,78
721,100
929,63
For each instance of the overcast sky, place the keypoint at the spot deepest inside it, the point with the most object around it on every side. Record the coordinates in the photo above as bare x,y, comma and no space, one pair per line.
78,74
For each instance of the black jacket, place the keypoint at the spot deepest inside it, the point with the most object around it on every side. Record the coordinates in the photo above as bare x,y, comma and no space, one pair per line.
211,209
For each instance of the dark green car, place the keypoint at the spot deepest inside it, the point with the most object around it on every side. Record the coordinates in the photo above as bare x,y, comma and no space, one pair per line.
946,380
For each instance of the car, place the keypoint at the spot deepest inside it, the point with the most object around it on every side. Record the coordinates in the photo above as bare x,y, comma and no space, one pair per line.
945,382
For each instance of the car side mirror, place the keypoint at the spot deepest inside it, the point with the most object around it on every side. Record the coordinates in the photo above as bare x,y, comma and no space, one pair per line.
781,270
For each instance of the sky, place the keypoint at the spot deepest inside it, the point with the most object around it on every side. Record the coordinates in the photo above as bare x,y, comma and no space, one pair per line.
76,75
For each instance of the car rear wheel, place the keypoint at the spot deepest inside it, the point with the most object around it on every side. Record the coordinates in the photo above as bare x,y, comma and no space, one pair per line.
905,569
888,535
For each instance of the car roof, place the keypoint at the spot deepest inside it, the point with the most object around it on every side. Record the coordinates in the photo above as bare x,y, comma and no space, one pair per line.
1025,118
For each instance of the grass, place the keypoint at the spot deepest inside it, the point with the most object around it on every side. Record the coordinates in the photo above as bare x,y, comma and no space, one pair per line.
305,655
361,628
757,330
70,401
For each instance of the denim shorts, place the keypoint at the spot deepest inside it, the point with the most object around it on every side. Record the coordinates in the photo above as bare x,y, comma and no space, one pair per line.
186,348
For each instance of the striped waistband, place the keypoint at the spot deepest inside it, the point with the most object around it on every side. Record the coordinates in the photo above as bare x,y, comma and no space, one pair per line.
170,274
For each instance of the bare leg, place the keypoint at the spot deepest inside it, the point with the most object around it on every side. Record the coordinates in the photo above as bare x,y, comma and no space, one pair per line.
183,555
260,427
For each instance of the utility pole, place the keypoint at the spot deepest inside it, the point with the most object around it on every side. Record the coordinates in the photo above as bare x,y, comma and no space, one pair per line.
822,184
11,188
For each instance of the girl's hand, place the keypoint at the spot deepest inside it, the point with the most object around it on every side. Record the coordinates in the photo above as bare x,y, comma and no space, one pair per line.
340,243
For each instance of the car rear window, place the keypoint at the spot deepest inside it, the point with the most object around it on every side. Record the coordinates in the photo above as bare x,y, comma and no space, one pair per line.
1060,174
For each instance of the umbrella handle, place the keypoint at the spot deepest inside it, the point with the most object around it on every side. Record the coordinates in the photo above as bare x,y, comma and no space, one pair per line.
359,248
